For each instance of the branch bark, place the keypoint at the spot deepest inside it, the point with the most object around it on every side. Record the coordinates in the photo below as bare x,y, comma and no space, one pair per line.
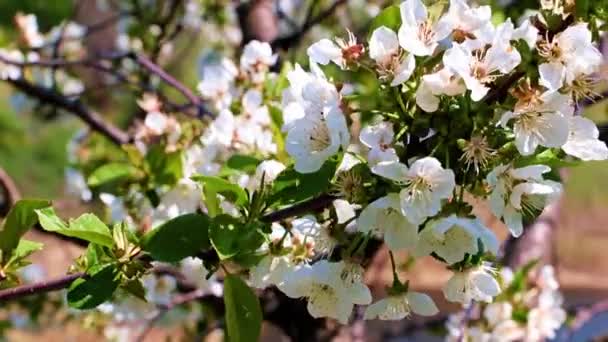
92,119
41,287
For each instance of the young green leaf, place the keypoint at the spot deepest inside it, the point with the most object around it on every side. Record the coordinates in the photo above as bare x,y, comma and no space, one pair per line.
178,238
87,227
243,312
243,163
230,237
20,218
215,185
389,17
291,186
112,174
98,287
24,249
164,168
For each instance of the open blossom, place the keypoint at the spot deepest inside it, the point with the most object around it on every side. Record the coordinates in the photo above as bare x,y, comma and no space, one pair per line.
217,83
384,218
569,55
583,141
271,270
28,28
184,198
256,59
453,237
392,62
547,317
517,190
544,122
400,306
477,283
10,71
316,137
307,230
442,82
464,21
425,183
379,139
323,285
480,68
342,52
268,170
418,34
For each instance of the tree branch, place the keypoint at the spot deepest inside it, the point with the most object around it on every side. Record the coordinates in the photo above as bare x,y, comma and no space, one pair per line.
152,67
92,119
312,204
294,38
41,287
11,192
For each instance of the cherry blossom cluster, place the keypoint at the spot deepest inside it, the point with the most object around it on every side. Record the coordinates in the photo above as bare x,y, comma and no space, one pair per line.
530,311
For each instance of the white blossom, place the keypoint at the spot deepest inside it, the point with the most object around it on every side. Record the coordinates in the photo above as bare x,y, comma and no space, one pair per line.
569,54
583,141
184,198
545,319
544,122
477,283
480,68
257,57
392,62
217,83
418,35
400,306
379,139
453,237
516,190
28,26
316,137
384,218
9,71
340,52
425,183
442,82
326,290
269,170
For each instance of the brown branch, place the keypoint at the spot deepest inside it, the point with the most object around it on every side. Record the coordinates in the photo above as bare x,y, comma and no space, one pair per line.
296,37
10,190
92,119
41,287
313,204
152,67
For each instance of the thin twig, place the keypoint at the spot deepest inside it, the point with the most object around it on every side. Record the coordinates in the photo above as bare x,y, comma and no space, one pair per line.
294,38
152,67
11,191
92,119
310,205
40,287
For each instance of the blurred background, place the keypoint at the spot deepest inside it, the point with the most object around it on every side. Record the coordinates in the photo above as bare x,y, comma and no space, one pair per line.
34,153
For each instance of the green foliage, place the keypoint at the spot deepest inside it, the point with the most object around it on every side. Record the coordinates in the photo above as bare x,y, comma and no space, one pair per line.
213,186
87,227
520,278
389,17
19,220
230,237
243,312
178,238
163,168
111,175
291,186
98,287
49,13
244,163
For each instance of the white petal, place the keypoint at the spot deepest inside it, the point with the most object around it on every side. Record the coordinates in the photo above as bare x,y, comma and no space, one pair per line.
392,170
383,44
325,51
404,71
422,304
552,75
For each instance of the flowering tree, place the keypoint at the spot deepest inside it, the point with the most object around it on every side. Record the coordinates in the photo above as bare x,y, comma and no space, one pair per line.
277,180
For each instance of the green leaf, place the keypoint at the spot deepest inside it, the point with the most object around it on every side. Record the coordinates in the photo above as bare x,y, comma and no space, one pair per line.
582,8
164,168
243,312
87,227
178,238
243,163
98,287
389,17
230,237
213,186
19,220
24,250
291,186
112,174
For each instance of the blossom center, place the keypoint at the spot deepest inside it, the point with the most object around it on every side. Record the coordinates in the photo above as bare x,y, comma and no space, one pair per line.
425,32
320,138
